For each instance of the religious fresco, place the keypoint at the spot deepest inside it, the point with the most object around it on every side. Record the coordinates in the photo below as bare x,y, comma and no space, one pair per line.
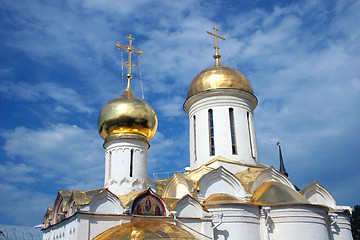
148,204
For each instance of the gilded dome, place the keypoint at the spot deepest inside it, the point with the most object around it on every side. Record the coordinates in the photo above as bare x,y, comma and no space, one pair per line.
145,229
221,198
274,193
219,76
127,114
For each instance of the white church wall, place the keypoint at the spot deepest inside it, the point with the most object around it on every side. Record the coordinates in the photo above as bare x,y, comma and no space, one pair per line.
99,224
66,230
232,167
239,221
91,225
200,228
340,226
298,222
190,212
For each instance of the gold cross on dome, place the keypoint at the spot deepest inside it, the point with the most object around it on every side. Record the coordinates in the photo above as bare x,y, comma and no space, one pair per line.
217,55
129,65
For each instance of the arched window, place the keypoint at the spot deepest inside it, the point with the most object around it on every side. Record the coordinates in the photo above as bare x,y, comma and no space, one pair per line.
211,132
131,162
194,118
232,131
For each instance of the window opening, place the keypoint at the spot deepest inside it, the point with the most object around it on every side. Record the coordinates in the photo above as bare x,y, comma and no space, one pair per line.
194,118
211,133
110,159
250,138
232,130
131,161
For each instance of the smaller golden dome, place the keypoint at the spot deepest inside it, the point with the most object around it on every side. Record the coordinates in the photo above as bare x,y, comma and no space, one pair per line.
127,114
275,193
145,229
219,76
221,198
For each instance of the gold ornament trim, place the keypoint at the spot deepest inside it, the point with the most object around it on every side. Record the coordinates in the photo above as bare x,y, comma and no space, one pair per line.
126,136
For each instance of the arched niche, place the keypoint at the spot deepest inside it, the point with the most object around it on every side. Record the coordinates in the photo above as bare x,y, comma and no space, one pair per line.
188,207
270,175
105,202
178,186
317,194
221,180
147,203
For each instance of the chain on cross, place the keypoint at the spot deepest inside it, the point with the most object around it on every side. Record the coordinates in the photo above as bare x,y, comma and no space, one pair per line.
130,49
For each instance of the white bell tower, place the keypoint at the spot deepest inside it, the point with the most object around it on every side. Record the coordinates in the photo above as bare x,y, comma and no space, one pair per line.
220,104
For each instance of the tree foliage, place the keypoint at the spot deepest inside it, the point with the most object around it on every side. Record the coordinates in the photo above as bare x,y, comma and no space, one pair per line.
355,222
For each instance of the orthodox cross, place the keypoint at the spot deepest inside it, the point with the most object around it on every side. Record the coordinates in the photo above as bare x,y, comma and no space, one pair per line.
217,55
129,65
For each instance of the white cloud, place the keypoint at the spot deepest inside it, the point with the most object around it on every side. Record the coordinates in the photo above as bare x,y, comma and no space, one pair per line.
62,154
171,107
24,206
302,60
44,91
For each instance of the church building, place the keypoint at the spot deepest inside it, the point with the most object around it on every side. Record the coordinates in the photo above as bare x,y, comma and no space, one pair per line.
225,193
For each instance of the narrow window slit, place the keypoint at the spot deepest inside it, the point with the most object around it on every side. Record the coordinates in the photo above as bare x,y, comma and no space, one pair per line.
110,159
211,132
250,138
131,162
232,130
195,136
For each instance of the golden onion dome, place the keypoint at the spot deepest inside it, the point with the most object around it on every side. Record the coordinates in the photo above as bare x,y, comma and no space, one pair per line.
145,229
127,114
219,76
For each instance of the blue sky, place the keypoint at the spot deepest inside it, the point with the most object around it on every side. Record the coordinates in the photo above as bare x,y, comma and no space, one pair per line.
59,66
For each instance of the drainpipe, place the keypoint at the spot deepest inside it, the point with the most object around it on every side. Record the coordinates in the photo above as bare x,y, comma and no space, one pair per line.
220,216
267,217
335,218
177,220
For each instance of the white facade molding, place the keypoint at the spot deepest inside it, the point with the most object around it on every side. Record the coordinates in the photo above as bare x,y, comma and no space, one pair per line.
270,175
177,187
105,203
188,207
221,180
197,173
317,194
220,92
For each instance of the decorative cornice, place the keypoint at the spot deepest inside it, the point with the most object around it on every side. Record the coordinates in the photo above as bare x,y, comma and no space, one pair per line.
118,136
219,92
